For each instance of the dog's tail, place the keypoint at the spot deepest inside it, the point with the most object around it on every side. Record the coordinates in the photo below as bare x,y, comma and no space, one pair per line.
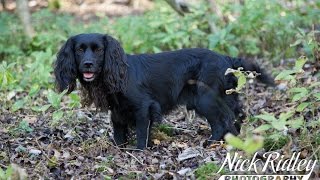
248,65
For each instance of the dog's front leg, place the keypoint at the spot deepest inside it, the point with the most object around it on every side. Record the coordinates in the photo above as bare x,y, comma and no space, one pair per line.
120,129
143,124
120,134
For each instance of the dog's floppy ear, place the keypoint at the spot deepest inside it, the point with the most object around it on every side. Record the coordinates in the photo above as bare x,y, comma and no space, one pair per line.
115,66
65,69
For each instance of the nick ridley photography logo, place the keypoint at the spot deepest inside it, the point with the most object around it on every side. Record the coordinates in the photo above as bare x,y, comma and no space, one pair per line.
274,161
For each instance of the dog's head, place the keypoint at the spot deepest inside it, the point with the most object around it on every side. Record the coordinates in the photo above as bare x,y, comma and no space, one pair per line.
91,58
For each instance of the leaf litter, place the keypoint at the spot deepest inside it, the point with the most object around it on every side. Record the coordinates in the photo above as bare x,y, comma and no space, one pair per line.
82,146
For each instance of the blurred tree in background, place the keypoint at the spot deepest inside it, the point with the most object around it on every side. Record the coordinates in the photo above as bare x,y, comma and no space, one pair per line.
25,17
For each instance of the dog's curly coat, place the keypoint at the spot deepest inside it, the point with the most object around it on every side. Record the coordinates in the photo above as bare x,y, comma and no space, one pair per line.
138,89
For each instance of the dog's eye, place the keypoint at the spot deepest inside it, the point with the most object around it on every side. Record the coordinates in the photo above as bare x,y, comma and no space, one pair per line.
80,50
99,50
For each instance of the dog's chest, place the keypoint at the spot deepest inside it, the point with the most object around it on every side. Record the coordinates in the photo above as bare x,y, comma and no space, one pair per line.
122,109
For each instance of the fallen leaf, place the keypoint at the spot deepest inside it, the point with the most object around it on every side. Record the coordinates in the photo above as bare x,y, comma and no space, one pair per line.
188,154
156,141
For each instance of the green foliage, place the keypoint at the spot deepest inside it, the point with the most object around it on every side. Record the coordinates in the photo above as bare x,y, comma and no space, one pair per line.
12,38
54,4
75,100
261,27
161,29
274,129
18,104
308,42
279,124
275,142
168,130
55,98
290,75
223,41
6,76
208,171
103,166
305,98
304,102
242,77
250,145
22,128
6,174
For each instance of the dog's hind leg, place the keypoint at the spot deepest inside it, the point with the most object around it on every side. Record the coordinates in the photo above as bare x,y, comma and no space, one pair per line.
220,117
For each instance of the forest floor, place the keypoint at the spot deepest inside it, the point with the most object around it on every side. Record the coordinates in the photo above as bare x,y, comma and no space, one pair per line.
82,147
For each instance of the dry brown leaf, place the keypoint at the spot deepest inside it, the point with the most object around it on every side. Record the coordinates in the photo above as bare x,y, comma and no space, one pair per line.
30,119
156,141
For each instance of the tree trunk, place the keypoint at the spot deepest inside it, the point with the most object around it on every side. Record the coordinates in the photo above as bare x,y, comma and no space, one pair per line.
3,2
24,15
213,9
180,6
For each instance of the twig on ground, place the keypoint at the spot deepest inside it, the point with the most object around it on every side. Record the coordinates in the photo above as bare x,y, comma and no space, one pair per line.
131,149
45,155
182,129
3,166
135,158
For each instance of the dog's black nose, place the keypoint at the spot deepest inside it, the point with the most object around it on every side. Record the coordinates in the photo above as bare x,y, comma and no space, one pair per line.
88,64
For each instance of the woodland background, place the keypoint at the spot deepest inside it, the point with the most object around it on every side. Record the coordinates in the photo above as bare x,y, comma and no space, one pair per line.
48,135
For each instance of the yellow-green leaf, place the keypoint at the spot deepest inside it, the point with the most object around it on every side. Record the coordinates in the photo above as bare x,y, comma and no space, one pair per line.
300,63
267,117
234,141
262,128
253,144
302,106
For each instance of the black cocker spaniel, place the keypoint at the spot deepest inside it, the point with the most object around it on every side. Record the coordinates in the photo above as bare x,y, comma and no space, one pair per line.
138,89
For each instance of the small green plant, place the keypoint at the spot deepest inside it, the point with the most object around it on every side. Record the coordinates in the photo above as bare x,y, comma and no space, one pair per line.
281,123
55,98
275,142
250,145
223,41
292,74
13,172
242,79
6,174
75,100
208,171
104,165
22,128
304,98
277,128
167,129
6,76
308,41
